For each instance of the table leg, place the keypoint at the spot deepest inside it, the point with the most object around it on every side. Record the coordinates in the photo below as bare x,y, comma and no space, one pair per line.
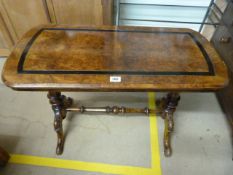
171,102
59,104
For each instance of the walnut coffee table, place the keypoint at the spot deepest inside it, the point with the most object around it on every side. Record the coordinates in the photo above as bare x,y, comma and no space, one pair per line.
71,58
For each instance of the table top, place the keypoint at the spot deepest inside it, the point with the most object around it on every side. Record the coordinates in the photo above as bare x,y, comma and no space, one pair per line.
114,59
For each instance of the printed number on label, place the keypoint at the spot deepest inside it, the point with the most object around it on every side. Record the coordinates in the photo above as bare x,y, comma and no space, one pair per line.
115,79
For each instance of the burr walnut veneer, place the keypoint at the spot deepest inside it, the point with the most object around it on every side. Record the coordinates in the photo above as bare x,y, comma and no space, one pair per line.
73,58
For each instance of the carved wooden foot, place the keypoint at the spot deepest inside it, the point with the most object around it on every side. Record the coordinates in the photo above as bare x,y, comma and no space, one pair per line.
171,104
59,104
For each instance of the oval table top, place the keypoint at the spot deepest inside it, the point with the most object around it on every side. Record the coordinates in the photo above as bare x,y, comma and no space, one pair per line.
104,58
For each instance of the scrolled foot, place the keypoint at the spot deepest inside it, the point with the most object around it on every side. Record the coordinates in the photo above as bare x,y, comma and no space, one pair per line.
60,146
167,138
59,130
167,152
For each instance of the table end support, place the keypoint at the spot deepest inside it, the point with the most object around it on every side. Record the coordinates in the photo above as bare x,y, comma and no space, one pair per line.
59,105
171,101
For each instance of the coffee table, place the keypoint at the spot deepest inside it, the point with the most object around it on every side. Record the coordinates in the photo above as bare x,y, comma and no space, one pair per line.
57,58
